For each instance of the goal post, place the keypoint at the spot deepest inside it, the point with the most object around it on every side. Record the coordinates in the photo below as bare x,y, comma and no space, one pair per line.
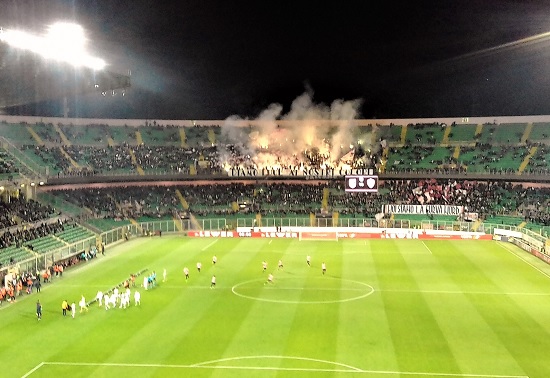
318,235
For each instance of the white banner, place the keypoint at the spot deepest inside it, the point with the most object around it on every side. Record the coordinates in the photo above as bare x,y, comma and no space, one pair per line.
423,209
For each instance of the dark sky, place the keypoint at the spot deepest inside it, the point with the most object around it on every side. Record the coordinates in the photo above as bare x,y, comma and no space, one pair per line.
213,59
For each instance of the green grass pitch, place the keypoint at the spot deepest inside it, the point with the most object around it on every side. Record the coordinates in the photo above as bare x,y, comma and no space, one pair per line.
384,308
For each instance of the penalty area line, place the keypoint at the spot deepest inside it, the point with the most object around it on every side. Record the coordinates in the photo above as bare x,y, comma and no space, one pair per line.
33,370
210,245
340,369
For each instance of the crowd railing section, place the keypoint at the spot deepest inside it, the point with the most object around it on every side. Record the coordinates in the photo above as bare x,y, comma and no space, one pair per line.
120,234
41,261
32,166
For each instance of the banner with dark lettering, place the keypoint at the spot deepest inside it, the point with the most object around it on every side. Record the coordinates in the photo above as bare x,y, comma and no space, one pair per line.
296,172
423,209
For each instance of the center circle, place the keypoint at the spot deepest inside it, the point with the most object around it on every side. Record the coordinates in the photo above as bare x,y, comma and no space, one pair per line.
318,290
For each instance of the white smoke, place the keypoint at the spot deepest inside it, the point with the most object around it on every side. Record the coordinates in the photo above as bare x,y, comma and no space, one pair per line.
275,140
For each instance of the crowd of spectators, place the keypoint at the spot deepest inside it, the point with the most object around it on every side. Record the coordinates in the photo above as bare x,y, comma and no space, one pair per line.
7,165
97,160
18,208
273,199
19,235
487,198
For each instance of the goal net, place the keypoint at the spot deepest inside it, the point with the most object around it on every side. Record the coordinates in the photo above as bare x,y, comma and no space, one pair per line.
318,235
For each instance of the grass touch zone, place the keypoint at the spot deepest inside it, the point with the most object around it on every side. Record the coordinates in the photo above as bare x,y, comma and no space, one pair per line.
384,308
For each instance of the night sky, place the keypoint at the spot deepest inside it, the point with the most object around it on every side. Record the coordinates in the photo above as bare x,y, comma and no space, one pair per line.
214,59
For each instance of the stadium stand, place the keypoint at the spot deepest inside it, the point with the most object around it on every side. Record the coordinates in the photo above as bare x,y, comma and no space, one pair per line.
206,151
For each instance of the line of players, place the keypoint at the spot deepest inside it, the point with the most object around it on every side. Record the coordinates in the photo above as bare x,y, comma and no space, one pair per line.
111,299
122,298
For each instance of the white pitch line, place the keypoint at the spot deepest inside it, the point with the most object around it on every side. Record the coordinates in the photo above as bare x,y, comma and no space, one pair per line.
207,363
345,369
33,370
429,250
525,261
209,245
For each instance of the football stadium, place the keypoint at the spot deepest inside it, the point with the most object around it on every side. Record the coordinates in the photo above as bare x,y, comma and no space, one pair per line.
324,245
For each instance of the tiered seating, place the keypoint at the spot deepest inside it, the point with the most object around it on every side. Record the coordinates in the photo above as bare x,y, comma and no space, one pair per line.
417,158
123,135
423,146
540,132
429,134
392,134
106,224
47,133
74,233
505,220
506,133
8,167
14,254
462,134
160,136
44,244
48,156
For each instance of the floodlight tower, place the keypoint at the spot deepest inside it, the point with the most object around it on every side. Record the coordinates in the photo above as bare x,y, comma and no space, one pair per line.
64,45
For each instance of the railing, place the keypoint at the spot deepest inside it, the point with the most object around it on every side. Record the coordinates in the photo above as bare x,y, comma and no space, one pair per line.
30,165
360,222
43,260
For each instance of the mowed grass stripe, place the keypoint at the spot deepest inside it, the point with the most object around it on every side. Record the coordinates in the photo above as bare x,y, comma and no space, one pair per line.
223,311
482,328
315,327
418,341
455,314
523,335
260,333
364,338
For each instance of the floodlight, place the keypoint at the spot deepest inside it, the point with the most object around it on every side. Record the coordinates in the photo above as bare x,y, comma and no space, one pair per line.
64,42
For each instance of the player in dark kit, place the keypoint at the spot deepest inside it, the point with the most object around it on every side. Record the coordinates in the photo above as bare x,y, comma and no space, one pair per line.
38,310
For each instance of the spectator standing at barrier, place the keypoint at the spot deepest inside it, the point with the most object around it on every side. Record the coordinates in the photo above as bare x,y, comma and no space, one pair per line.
38,310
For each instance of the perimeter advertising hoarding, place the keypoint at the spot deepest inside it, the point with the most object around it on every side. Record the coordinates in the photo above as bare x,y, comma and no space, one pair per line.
362,183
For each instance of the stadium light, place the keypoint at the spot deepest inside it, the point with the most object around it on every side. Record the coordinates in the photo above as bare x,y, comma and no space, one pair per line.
64,42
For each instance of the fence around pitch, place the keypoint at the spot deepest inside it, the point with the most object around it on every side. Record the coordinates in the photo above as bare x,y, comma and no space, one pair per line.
43,260
360,222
